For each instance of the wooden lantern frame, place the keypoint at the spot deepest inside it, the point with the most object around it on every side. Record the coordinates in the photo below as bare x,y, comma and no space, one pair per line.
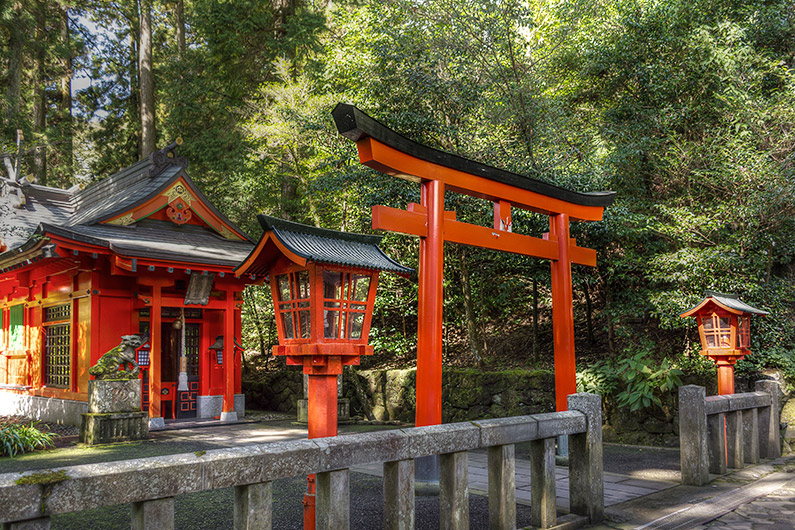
724,328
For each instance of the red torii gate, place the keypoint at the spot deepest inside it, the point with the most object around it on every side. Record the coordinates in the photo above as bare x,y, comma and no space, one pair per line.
385,150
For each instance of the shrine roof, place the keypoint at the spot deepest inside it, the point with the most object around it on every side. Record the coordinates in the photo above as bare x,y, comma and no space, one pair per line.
326,246
356,125
159,240
729,302
78,214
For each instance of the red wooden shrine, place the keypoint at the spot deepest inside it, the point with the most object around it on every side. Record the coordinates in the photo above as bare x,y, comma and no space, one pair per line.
323,284
724,327
140,252
437,173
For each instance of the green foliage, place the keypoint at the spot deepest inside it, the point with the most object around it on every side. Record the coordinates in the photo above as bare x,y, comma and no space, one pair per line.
643,382
17,438
598,378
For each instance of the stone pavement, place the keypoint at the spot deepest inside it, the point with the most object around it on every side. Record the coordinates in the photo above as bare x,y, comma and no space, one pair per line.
618,488
756,497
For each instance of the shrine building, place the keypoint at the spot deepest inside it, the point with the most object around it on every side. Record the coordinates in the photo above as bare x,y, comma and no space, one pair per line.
140,252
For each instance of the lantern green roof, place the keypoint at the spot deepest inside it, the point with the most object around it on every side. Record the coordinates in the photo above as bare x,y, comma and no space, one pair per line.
320,245
730,302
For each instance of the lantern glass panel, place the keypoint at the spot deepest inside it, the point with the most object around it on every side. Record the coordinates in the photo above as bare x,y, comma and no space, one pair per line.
283,283
744,332
293,290
360,287
343,317
717,331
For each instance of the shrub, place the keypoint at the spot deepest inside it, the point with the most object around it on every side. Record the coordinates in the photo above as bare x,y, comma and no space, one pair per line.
17,438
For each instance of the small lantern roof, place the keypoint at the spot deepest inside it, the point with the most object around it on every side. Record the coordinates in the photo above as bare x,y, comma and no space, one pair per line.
303,243
728,302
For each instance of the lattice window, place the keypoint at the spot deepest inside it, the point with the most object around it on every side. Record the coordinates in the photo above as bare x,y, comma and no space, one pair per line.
192,337
57,355
57,312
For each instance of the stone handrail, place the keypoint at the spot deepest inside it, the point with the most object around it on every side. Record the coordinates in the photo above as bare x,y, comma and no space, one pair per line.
150,484
718,432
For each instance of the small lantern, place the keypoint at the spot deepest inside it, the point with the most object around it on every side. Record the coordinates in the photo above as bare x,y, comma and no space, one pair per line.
724,327
218,348
323,284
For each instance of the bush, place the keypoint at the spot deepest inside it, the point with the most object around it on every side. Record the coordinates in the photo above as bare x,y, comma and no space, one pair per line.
17,438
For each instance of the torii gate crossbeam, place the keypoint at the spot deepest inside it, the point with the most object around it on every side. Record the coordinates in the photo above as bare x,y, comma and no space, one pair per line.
382,149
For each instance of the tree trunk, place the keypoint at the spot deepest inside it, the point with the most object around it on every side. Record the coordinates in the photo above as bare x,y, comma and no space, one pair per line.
179,23
476,345
588,312
66,147
133,107
16,41
148,141
40,95
535,318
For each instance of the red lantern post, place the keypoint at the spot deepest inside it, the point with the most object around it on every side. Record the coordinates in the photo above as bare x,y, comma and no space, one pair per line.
724,325
323,284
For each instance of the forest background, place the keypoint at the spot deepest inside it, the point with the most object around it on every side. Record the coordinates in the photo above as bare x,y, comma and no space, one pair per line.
686,109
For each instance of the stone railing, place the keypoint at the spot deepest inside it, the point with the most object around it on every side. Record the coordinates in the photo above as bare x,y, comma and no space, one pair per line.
150,484
717,432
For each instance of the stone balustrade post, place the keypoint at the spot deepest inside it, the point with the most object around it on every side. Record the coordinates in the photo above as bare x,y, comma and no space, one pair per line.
693,451
254,507
716,424
502,487
454,491
750,436
769,443
157,513
399,495
543,511
333,500
586,473
735,446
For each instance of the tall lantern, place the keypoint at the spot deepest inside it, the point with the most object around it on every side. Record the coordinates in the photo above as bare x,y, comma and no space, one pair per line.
323,284
724,327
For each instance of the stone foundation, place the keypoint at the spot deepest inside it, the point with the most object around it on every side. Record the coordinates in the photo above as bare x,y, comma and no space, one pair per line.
212,406
114,396
53,410
343,411
102,428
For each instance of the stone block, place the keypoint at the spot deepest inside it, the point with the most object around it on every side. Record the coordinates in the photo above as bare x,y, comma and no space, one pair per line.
363,448
333,500
502,487
43,523
769,420
554,424
438,439
503,431
748,400
734,456
103,428
543,510
254,507
694,457
95,485
158,513
259,463
586,468
716,424
751,436
110,395
454,491
716,404
19,502
399,495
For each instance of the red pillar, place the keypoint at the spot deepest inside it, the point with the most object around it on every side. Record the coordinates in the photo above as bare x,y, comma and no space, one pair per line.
725,377
429,324
229,358
562,313
155,366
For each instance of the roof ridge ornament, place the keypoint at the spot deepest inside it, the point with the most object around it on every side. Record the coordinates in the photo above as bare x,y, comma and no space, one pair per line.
166,157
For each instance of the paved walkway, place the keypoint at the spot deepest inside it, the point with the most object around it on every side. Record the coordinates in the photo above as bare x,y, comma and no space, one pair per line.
618,488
